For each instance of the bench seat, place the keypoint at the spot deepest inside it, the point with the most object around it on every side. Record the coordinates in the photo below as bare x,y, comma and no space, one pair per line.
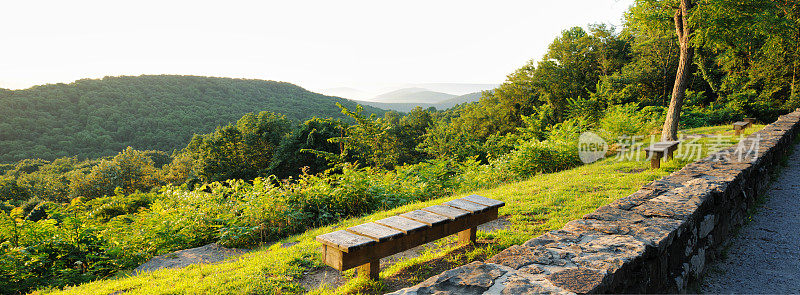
364,245
661,149
738,127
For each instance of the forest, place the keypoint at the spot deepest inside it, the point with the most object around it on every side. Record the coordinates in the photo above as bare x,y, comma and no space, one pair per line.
70,216
93,118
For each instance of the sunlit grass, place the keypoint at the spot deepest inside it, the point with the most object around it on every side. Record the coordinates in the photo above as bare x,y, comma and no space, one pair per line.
539,204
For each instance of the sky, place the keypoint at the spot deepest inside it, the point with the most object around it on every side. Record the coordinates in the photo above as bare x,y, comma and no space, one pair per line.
315,44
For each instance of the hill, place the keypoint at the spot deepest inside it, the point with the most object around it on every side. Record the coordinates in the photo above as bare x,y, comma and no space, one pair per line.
466,98
413,95
94,118
408,106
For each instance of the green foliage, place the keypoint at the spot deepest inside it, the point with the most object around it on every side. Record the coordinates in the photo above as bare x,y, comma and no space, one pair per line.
239,151
97,118
40,211
60,248
378,142
292,156
106,208
542,157
625,120
130,170
574,63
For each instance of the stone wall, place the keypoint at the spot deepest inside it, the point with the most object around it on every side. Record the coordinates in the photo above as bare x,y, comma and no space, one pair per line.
656,240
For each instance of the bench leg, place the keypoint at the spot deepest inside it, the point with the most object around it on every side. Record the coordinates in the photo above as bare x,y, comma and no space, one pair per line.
655,161
467,236
669,155
370,270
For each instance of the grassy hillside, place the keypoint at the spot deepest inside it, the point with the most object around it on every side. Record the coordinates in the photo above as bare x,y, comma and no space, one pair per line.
99,117
539,204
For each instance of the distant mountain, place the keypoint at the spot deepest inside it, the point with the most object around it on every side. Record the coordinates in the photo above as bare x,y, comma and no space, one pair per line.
455,88
368,92
443,105
470,97
412,95
93,118
346,92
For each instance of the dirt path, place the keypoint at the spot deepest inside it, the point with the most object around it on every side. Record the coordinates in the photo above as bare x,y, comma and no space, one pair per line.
210,253
765,255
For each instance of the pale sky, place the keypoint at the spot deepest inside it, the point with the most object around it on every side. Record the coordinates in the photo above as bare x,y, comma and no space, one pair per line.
315,44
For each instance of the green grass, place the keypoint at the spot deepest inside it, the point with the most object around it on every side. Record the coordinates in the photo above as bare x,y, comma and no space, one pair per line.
539,204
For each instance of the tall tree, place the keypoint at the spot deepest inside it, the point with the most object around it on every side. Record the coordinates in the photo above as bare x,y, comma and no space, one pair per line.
684,32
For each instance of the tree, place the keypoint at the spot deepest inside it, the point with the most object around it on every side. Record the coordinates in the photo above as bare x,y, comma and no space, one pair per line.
409,130
648,77
684,32
369,141
239,151
130,170
574,64
292,156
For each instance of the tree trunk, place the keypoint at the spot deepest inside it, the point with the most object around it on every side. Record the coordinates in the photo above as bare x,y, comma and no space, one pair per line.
670,130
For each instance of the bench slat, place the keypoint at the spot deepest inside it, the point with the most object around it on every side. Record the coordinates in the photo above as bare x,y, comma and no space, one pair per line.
662,146
660,149
447,211
467,205
344,240
426,217
491,203
666,143
740,124
375,231
402,224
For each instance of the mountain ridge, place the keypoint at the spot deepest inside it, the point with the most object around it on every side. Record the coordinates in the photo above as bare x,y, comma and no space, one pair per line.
92,118
442,105
413,95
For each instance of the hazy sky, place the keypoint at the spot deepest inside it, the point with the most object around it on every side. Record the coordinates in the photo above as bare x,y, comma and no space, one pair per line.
315,44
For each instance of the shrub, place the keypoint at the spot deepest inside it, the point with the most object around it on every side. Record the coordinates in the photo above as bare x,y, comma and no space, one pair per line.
622,120
105,208
40,211
29,205
542,157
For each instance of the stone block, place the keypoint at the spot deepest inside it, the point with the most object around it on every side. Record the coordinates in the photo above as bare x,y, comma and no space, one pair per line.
473,278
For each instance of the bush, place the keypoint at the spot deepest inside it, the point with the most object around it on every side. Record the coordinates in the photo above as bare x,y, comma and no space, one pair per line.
106,208
40,211
622,120
29,205
542,157
64,250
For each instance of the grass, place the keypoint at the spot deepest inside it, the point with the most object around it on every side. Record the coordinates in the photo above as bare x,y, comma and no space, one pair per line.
539,204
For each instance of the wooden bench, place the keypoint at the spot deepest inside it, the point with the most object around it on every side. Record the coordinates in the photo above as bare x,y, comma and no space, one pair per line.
364,245
738,127
661,149
750,121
